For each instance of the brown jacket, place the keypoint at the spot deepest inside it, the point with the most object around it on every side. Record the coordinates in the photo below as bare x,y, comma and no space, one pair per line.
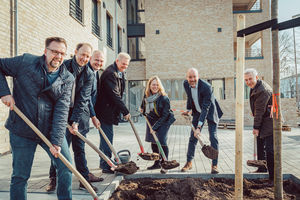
261,102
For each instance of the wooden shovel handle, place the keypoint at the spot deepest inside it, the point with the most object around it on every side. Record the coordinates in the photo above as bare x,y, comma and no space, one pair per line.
188,118
156,140
60,156
109,145
136,135
101,154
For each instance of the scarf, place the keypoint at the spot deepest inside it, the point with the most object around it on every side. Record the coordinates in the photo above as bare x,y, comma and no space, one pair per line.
150,102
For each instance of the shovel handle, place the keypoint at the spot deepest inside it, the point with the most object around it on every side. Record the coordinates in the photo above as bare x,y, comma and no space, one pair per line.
188,118
101,154
255,148
136,135
60,156
156,140
110,145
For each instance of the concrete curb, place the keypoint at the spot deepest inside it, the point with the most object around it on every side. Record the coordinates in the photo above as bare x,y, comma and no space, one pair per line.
111,188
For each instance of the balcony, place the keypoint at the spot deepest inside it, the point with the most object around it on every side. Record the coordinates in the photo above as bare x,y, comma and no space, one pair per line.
96,29
109,40
252,54
75,11
246,6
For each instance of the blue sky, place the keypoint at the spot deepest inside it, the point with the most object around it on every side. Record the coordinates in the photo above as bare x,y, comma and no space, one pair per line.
287,8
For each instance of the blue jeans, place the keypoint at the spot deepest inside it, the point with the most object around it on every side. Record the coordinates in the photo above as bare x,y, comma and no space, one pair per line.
79,155
23,150
212,129
108,131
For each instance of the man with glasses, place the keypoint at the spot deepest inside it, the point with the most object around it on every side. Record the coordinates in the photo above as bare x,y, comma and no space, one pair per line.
42,91
79,113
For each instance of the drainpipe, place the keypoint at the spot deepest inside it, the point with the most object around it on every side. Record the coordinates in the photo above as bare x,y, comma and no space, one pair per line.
16,26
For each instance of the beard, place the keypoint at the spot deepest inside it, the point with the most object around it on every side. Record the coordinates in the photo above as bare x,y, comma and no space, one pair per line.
55,65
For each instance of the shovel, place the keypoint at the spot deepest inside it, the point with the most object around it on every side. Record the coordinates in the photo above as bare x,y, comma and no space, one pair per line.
165,164
60,156
128,168
208,151
110,145
255,162
143,155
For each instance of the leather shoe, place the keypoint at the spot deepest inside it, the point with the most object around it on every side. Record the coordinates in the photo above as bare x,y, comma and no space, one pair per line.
214,169
93,178
261,170
156,165
187,166
107,171
52,185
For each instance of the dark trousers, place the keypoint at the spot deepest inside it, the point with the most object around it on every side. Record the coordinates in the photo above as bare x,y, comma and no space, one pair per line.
155,149
260,149
78,146
268,141
108,131
212,129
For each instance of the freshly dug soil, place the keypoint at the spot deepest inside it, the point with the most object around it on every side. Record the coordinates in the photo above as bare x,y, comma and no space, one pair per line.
128,168
197,188
169,164
149,156
257,163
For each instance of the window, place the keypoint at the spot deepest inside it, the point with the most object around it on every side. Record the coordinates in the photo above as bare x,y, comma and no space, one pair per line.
136,48
76,10
109,31
218,87
174,89
119,39
136,11
95,18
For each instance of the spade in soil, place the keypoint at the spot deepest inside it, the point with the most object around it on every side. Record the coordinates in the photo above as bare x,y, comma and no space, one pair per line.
143,155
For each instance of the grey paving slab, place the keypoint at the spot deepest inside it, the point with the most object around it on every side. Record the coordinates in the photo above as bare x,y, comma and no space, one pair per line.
177,142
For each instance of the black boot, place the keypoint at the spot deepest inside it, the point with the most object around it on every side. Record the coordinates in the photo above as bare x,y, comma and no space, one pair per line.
156,165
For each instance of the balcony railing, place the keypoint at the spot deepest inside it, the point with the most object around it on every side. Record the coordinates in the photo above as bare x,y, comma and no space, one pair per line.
255,8
96,29
252,54
75,11
109,40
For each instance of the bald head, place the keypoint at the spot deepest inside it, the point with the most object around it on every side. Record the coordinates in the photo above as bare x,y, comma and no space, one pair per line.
97,60
192,77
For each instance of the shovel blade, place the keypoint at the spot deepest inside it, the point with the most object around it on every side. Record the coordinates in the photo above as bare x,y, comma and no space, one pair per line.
149,156
127,168
210,152
169,164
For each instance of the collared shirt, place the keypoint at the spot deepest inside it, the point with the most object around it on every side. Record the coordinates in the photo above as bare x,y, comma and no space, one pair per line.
194,92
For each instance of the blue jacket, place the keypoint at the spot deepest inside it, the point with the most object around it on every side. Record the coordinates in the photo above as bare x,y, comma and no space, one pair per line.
46,106
80,113
210,108
93,94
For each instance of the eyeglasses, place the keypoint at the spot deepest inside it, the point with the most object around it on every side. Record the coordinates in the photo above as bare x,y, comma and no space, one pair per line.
57,52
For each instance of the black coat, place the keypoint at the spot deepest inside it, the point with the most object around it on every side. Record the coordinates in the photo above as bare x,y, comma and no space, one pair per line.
109,103
80,112
260,103
46,106
210,108
164,115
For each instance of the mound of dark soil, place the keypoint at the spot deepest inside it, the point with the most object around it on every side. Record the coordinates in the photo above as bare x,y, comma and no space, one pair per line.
197,188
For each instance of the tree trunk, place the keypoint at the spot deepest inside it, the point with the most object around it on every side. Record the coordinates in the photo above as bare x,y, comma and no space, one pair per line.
276,117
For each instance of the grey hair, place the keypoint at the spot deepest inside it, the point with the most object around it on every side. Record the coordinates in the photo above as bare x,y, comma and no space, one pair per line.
123,55
251,71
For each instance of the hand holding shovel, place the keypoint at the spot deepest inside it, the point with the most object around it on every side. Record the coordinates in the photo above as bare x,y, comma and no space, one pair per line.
165,164
60,156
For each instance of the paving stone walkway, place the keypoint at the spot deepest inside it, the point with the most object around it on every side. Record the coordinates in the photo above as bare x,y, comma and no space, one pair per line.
178,142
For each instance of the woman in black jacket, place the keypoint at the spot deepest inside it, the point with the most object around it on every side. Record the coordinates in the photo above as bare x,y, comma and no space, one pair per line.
156,107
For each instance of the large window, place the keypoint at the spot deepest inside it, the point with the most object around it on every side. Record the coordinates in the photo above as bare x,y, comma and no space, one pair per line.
136,48
174,89
76,10
96,28
218,87
109,31
135,11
